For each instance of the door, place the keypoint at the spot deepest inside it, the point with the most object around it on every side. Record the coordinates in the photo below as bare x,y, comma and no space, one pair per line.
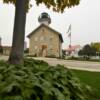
44,50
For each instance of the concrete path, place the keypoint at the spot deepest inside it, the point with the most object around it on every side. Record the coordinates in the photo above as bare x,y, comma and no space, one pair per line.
81,65
72,64
3,57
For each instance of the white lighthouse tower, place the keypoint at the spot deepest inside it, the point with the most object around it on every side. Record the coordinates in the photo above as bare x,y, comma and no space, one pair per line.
44,18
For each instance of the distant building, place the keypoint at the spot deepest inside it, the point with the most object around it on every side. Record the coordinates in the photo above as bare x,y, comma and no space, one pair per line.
25,45
45,41
73,50
6,50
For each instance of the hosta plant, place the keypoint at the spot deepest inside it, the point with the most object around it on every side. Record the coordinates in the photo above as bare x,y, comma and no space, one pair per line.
36,80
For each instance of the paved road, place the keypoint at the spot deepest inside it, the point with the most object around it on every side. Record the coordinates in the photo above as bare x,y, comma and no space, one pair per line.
3,57
81,65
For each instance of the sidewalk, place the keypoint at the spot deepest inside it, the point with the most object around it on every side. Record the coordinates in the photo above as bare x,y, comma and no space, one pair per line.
71,64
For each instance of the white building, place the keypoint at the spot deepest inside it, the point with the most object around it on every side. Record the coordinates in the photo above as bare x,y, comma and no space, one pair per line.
73,50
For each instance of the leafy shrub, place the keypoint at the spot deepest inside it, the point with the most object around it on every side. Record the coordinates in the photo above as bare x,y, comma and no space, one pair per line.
36,80
28,55
1,50
51,56
83,59
72,58
26,51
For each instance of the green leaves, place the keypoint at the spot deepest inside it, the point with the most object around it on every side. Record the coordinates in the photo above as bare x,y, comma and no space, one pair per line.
9,1
58,5
28,4
36,80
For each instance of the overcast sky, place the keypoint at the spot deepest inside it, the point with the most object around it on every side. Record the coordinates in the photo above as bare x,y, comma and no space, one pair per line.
85,21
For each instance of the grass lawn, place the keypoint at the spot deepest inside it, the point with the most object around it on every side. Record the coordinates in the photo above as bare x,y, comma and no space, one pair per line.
90,78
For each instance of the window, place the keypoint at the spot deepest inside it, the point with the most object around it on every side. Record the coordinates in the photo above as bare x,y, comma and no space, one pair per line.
51,46
36,38
35,47
51,38
41,38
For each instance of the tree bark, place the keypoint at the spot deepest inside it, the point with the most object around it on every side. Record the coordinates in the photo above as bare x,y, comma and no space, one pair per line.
17,51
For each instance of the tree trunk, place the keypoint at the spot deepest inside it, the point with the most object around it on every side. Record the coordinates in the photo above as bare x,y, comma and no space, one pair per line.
17,51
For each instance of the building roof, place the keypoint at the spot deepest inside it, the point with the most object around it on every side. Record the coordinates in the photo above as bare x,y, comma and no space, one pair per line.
43,25
73,48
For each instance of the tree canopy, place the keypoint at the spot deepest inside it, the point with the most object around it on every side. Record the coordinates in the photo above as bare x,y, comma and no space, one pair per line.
87,51
96,45
56,5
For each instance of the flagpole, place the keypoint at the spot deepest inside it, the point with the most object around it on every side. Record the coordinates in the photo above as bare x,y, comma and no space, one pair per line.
70,35
70,39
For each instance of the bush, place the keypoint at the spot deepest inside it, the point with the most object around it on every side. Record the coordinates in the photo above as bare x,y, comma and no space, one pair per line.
83,59
51,56
36,80
1,50
72,58
28,55
26,51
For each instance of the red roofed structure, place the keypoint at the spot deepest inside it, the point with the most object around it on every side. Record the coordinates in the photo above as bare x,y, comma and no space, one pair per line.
73,50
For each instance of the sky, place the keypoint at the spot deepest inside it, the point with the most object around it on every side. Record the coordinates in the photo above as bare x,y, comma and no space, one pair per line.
84,19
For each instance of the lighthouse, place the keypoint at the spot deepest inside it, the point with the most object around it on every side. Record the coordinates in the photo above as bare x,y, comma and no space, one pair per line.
44,18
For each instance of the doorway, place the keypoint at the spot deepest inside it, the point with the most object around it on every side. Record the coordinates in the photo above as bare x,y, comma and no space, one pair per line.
44,50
